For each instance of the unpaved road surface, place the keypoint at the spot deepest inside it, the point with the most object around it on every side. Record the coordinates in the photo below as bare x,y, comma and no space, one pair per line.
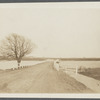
40,78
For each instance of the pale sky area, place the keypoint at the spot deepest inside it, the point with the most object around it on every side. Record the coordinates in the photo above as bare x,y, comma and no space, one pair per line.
58,29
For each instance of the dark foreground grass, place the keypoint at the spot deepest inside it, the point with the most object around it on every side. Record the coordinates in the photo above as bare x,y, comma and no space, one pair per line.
92,72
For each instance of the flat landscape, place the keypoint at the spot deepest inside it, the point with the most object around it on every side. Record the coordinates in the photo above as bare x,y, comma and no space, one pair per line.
50,48
5,64
86,64
92,68
40,78
92,72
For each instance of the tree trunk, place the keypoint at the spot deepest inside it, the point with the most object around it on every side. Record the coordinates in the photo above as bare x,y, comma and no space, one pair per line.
18,61
18,64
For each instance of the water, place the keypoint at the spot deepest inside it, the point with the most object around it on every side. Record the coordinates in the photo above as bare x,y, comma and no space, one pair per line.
86,64
13,64
71,64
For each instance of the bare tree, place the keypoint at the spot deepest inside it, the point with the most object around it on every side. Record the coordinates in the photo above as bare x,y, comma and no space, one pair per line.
16,47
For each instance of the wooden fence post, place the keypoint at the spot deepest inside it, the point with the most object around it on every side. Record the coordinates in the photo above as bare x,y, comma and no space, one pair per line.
76,69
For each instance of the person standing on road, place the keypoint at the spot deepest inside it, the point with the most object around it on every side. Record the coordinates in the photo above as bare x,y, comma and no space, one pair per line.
56,65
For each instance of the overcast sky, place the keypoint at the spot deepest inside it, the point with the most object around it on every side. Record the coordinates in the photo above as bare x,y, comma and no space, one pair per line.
58,29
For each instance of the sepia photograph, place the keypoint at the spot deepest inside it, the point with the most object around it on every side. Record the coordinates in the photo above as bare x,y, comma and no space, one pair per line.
50,48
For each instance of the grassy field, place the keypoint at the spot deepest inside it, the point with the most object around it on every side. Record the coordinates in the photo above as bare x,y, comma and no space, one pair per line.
88,68
92,72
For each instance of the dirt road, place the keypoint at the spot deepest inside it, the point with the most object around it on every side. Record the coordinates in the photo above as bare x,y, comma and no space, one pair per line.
41,78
